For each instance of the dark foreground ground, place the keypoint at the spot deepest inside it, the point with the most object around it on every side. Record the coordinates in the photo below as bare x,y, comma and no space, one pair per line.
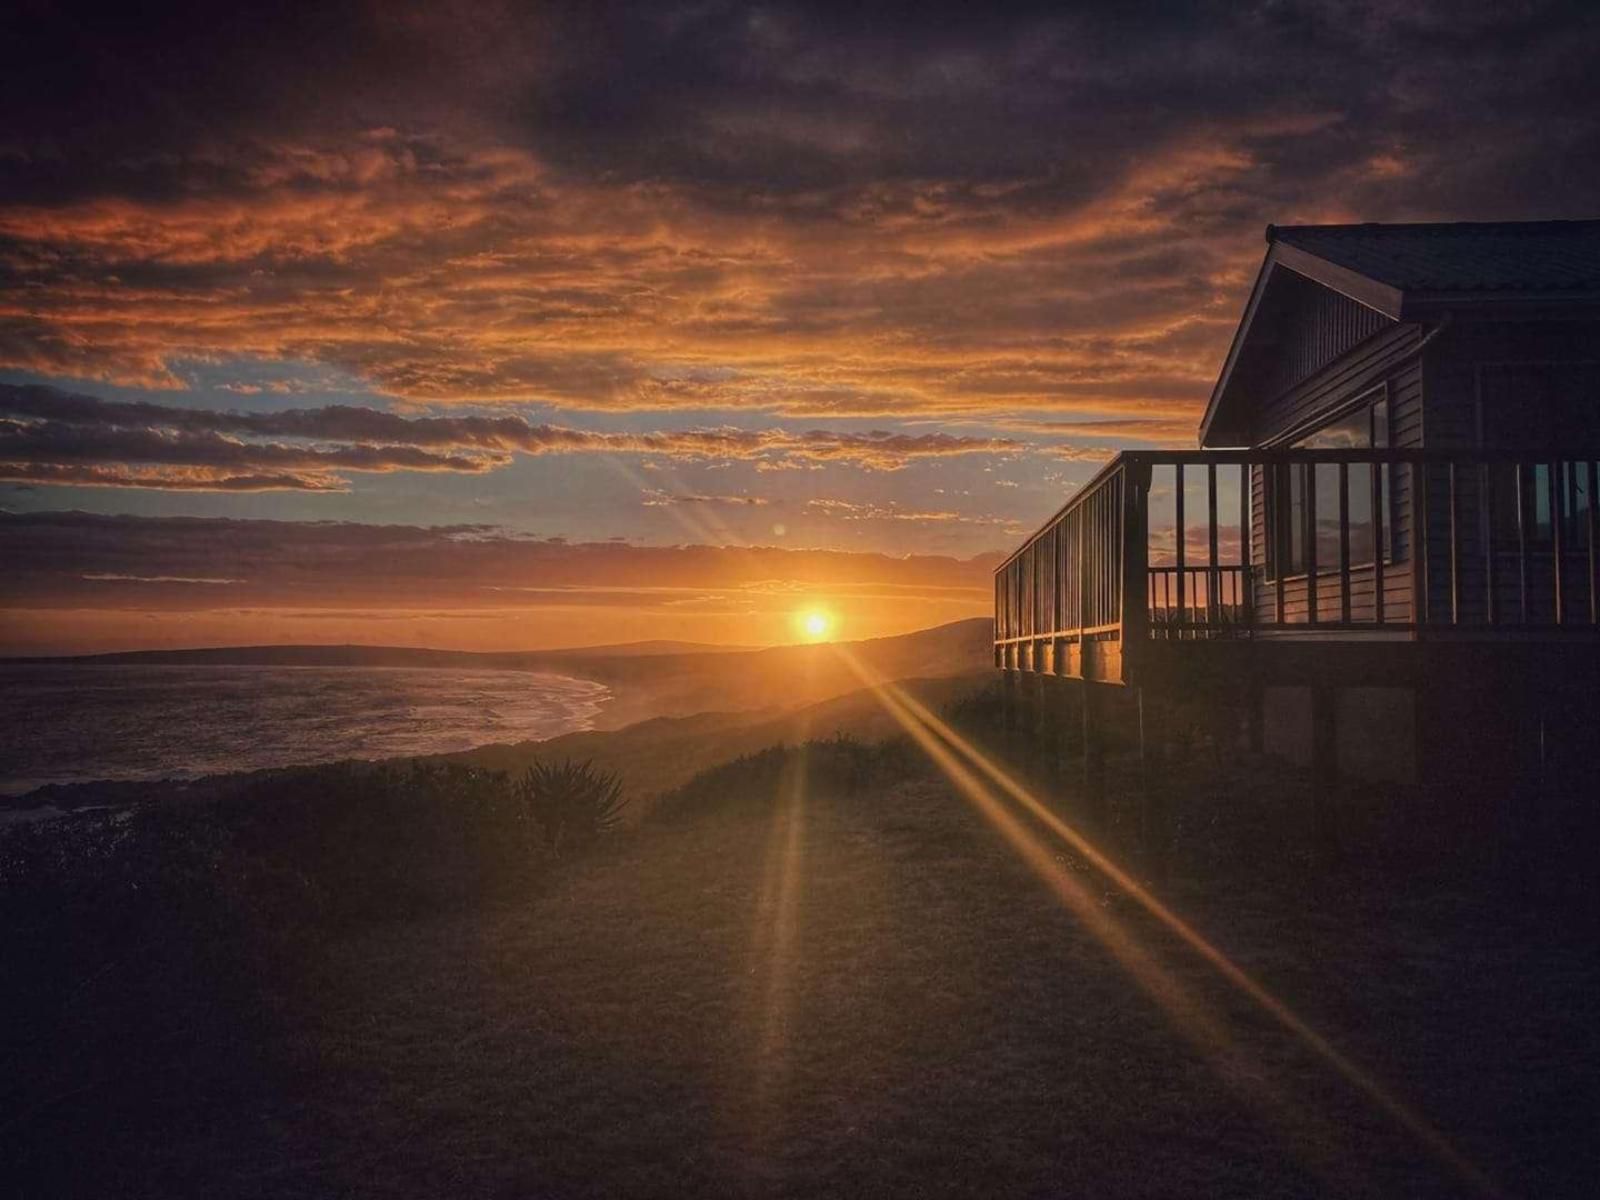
803,977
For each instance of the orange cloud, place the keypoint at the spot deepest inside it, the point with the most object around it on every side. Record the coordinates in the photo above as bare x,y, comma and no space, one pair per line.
847,510
476,276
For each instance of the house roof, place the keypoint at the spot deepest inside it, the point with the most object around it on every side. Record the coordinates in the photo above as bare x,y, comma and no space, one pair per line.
1469,258
1417,272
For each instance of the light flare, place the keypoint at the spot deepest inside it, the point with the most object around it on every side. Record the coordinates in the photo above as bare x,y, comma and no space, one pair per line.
816,624
773,958
943,745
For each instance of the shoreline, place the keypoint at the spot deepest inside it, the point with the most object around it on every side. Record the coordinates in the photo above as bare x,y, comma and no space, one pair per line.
610,709
745,687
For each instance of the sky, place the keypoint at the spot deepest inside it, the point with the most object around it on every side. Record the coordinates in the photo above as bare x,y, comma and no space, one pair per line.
508,326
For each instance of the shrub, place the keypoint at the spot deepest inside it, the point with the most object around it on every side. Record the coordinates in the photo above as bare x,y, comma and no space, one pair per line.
394,842
840,765
572,803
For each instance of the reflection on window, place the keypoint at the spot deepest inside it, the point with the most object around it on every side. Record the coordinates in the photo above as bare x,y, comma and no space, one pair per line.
1521,515
1312,490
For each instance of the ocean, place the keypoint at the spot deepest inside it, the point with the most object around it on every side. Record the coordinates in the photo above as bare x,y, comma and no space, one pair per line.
73,723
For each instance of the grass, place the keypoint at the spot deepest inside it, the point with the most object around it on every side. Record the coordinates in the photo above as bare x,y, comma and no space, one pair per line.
657,755
818,971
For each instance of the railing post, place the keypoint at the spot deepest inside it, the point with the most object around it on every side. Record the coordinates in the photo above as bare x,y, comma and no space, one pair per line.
1083,586
1308,486
1557,541
1135,559
1277,540
1594,551
1523,582
1179,540
1491,601
1419,545
1455,545
1380,534
1214,576
1344,543
1247,518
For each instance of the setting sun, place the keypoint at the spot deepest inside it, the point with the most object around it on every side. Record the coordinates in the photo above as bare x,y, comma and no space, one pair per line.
815,624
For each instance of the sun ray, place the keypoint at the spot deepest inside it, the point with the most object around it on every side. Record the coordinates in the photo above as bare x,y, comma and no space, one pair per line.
942,743
773,959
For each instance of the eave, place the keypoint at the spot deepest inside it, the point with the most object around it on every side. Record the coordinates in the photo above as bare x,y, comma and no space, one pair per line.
1380,297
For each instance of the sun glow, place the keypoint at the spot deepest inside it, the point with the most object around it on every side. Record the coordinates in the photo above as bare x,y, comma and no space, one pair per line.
815,623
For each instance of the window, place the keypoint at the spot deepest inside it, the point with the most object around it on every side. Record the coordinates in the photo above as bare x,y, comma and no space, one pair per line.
1306,490
1542,410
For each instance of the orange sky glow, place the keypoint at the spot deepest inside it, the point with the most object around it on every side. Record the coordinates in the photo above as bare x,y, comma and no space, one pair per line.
514,329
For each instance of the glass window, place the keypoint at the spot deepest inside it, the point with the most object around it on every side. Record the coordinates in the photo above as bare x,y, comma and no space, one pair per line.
1309,496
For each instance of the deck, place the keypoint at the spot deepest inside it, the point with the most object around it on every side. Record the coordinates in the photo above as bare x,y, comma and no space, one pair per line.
1368,563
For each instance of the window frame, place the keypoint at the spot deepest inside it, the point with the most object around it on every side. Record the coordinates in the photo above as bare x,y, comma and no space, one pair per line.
1286,518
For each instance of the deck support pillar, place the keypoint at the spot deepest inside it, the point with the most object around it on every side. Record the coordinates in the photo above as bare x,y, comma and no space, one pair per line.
1154,801
1093,754
1060,726
1040,727
1324,764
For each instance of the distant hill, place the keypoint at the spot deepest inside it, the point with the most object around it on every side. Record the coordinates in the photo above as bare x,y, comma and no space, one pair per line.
350,654
650,679
780,678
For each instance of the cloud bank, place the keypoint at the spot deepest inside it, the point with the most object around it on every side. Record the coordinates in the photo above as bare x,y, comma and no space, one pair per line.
52,437
167,569
802,209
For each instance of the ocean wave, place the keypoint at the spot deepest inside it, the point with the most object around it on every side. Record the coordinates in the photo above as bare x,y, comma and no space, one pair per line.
67,723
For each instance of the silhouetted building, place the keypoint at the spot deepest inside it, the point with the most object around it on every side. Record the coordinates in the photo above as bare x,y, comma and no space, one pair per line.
1387,547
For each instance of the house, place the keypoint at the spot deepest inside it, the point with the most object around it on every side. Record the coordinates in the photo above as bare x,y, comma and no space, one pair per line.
1385,550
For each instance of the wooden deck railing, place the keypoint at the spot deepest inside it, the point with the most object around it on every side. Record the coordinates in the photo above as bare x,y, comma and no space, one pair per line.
1205,545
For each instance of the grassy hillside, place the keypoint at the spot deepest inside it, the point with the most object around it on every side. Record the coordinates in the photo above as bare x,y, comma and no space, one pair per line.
779,677
672,713
658,755
814,971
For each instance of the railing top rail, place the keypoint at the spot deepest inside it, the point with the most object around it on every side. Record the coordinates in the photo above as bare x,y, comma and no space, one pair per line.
1258,457
1095,483
1247,457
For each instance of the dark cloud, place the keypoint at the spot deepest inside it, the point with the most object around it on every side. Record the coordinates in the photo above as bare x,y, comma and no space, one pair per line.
61,442
178,479
54,436
799,208
779,99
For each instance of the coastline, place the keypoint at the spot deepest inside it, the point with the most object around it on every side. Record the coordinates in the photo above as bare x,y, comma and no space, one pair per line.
680,706
575,704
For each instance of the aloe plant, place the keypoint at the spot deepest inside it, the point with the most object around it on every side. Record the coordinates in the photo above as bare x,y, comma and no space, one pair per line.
572,803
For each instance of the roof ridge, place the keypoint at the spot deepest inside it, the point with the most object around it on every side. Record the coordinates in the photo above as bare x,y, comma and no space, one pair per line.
1558,225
